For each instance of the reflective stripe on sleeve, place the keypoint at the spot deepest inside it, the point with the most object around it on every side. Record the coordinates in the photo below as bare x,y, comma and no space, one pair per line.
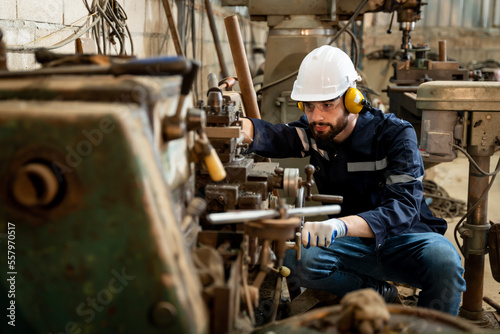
303,138
402,179
323,153
367,166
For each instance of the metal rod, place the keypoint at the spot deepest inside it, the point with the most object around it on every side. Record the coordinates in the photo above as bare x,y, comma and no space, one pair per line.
215,36
442,51
3,53
474,264
173,28
241,217
181,18
314,210
241,65
253,215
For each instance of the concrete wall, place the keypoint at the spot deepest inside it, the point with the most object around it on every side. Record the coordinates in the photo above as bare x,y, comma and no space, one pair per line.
25,21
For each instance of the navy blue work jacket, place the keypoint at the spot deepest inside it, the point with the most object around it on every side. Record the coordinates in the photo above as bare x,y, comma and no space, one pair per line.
378,170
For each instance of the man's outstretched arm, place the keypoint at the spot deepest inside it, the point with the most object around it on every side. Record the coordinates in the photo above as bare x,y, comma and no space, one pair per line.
247,130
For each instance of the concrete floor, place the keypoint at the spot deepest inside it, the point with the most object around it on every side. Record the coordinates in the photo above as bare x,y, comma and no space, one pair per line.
453,177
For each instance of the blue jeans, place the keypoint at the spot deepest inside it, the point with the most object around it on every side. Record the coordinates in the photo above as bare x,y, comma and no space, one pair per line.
427,261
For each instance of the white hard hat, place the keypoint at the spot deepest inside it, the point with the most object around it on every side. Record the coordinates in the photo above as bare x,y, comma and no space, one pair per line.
325,74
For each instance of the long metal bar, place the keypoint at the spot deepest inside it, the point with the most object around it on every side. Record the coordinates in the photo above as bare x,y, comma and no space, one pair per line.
181,20
472,303
314,210
215,36
3,53
241,217
173,28
252,215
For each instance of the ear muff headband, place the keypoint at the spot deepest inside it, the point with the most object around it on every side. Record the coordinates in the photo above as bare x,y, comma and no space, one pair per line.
354,100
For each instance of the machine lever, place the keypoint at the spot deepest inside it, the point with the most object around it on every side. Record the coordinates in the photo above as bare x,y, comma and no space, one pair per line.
333,199
309,182
389,31
203,148
173,127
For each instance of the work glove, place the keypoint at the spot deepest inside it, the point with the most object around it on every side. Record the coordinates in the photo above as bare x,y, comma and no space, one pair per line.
323,233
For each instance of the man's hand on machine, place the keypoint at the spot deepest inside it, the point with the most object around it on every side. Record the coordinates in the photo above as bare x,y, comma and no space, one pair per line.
323,233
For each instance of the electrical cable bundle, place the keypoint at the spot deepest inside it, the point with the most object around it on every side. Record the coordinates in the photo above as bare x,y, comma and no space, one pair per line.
106,19
109,25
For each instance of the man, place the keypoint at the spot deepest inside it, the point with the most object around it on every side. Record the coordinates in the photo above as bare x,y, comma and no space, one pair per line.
386,231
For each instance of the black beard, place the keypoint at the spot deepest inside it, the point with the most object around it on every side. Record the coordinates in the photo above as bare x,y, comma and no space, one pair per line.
328,136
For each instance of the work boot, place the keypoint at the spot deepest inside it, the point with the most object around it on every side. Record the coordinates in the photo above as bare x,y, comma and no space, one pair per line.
388,291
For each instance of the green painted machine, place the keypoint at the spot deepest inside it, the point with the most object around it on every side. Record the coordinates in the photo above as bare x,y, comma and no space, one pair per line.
89,226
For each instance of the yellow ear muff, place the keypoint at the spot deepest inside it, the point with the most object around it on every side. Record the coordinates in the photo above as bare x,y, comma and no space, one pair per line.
354,100
300,105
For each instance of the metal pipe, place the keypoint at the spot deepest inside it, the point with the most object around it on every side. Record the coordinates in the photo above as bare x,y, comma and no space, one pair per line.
181,18
472,305
215,36
442,51
241,65
314,210
173,28
3,53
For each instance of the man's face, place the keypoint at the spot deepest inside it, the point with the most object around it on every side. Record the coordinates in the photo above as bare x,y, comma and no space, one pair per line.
326,119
